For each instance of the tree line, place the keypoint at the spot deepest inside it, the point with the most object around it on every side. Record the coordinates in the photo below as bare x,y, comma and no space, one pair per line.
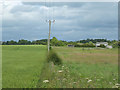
55,42
25,42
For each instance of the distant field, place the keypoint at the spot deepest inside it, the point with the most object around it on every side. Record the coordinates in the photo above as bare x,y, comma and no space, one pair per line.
84,68
22,65
90,56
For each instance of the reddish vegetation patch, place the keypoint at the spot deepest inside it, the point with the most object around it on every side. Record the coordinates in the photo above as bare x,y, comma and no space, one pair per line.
92,56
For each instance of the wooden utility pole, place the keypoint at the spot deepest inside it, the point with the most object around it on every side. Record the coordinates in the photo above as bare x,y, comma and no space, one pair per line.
49,34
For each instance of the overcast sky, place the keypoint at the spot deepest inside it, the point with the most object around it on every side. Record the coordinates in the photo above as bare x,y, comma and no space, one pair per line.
74,21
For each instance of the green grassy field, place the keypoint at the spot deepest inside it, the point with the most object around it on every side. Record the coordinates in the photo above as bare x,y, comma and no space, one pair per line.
21,65
25,66
88,68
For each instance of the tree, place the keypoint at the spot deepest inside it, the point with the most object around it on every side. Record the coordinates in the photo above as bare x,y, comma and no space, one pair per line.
33,42
28,42
11,42
118,44
60,43
54,41
22,42
4,43
115,44
91,44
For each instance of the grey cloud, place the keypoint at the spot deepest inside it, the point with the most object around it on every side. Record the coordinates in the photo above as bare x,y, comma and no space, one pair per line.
74,21
23,8
54,4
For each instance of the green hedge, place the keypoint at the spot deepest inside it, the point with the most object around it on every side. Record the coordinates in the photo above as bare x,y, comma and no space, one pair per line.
53,57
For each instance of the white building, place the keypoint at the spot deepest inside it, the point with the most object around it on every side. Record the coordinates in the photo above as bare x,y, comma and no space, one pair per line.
101,43
110,47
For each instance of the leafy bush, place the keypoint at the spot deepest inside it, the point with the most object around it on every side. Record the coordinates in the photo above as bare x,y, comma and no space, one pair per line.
115,44
52,56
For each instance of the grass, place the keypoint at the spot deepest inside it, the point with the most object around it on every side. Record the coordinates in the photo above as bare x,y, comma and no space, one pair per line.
22,65
88,68
26,67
